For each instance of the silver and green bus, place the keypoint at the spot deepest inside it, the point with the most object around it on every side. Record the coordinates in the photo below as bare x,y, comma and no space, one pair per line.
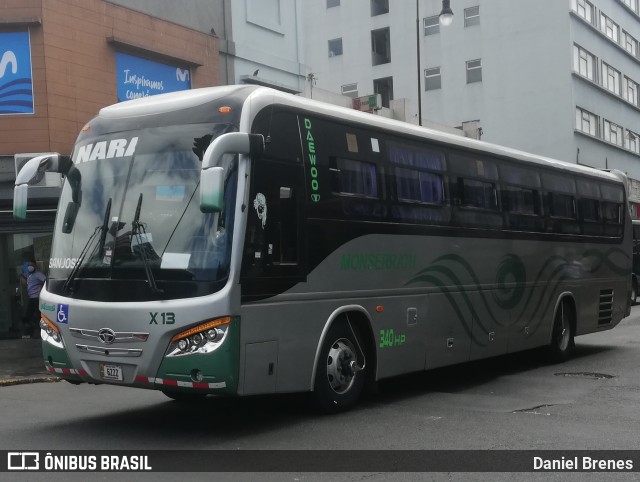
239,240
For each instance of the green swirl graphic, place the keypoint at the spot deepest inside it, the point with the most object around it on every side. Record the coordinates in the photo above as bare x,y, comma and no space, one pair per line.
509,282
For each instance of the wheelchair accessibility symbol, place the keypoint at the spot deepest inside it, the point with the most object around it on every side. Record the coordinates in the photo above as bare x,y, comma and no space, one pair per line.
63,313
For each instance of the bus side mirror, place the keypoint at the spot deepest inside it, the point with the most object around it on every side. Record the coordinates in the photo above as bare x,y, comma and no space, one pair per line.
20,196
33,167
212,175
212,190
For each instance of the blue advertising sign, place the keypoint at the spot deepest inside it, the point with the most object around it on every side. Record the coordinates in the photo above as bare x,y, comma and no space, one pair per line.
138,77
16,79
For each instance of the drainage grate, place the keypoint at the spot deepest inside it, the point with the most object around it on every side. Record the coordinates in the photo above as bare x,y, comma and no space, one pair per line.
592,375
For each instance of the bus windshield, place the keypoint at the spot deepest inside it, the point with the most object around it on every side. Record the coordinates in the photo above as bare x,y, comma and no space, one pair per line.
137,220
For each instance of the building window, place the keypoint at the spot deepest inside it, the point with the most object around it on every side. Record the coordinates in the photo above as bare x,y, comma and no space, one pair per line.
632,4
630,44
631,141
350,90
584,63
631,91
612,133
335,47
384,87
610,78
472,16
584,9
379,7
381,46
431,25
432,79
474,71
586,122
333,3
610,28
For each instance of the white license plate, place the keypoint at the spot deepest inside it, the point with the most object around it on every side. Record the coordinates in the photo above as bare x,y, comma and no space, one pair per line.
110,372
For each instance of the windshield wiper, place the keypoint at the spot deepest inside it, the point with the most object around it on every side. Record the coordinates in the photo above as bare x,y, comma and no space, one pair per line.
99,229
137,230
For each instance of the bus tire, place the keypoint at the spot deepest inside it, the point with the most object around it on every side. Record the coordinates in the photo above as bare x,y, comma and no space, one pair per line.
562,336
184,396
339,380
634,291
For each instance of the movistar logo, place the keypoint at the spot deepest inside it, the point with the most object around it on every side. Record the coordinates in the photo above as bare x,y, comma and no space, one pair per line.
311,147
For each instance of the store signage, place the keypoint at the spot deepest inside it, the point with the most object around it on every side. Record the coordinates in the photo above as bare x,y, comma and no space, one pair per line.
368,103
16,79
138,77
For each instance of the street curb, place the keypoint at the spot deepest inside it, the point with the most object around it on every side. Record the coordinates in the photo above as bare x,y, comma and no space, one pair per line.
23,381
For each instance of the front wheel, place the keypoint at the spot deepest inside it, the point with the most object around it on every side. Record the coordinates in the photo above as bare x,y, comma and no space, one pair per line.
340,373
562,338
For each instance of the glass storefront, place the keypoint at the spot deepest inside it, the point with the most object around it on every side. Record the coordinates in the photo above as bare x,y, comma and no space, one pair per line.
16,249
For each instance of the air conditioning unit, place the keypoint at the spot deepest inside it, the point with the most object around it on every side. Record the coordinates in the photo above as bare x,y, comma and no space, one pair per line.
43,179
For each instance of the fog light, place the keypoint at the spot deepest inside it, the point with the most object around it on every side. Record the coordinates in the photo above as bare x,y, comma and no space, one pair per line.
183,344
196,375
212,334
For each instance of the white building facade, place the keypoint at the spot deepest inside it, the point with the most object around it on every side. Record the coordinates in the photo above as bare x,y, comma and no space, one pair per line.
554,77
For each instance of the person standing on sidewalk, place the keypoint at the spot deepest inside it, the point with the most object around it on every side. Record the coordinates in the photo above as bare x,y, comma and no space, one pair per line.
35,281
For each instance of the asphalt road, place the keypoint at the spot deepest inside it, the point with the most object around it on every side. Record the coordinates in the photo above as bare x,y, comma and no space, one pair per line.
512,402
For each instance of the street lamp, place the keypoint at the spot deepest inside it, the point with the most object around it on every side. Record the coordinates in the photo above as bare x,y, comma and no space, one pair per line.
445,18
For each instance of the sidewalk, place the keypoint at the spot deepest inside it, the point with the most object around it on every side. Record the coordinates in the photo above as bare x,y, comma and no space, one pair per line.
21,362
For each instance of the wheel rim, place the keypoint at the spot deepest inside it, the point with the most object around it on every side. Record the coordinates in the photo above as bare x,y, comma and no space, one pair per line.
564,331
340,362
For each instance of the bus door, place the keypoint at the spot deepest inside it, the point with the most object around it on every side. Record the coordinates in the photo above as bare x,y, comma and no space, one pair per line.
272,254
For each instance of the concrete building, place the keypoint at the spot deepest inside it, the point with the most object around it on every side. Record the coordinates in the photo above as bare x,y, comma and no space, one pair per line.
259,40
60,62
553,77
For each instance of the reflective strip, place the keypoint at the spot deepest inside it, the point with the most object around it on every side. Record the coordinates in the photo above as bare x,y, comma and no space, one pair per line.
181,384
66,371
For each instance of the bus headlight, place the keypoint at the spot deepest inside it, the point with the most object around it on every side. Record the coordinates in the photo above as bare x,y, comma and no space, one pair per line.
49,332
203,338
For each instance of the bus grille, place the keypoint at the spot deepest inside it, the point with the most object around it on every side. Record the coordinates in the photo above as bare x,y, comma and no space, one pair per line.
606,307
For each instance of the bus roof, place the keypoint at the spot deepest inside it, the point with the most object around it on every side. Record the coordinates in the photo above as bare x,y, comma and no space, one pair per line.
260,97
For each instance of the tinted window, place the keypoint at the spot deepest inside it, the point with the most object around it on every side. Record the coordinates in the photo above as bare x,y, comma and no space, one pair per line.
354,177
561,206
477,194
590,210
520,200
611,213
414,185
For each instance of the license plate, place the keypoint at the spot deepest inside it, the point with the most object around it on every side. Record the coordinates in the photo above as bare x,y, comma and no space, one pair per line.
110,372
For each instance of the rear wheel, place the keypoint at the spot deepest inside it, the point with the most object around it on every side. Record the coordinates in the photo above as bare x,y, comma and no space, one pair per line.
340,374
562,338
